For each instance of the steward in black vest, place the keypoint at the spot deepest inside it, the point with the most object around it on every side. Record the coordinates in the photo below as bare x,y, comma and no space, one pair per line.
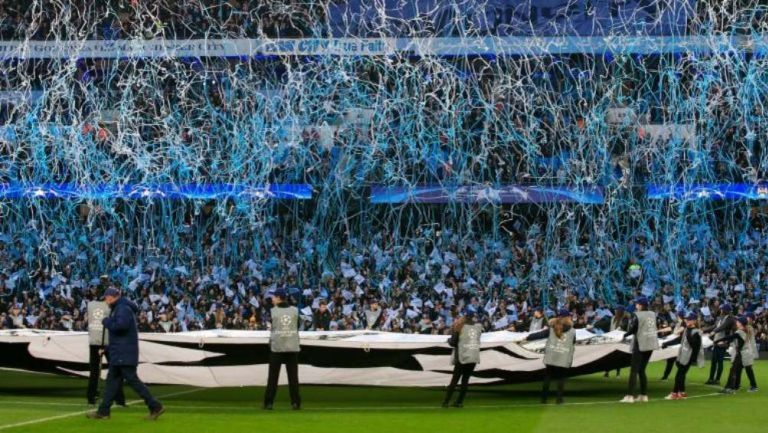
558,353
643,326
691,353
465,340
283,349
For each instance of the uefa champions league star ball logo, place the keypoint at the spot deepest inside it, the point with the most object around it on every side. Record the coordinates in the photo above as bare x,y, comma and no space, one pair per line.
98,314
473,334
285,321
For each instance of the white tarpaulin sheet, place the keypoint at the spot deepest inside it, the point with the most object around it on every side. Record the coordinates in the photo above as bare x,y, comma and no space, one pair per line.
219,358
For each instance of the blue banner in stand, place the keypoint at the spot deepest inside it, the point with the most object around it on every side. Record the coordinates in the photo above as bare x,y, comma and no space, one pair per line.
158,191
735,191
486,194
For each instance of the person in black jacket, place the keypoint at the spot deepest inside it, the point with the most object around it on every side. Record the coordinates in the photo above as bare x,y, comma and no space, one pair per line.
724,327
322,319
690,354
123,351
96,350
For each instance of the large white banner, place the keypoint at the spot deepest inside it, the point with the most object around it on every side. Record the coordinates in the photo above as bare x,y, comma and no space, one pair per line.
510,45
217,358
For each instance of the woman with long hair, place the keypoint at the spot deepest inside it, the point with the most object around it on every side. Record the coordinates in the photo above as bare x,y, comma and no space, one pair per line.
558,353
465,340
619,322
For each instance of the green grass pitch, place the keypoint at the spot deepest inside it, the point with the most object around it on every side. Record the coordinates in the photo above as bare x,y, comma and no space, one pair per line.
33,403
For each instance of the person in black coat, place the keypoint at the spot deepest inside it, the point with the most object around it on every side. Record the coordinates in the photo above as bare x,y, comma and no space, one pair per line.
123,352
96,350
322,317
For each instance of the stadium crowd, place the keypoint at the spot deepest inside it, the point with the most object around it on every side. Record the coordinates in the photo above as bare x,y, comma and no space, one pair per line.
421,282
219,19
420,285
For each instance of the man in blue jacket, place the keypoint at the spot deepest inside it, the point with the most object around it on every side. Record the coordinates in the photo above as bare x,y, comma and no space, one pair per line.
123,351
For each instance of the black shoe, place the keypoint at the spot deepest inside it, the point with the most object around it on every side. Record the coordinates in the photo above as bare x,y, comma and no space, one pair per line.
155,414
606,374
664,378
96,415
458,404
295,406
267,406
543,401
446,404
91,402
559,401
121,404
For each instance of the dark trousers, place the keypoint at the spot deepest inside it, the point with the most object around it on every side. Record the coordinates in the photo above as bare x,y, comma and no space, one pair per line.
668,368
682,371
734,375
291,361
716,368
94,364
463,372
750,375
558,374
639,363
125,373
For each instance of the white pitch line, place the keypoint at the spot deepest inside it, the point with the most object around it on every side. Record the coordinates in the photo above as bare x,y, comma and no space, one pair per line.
83,412
335,409
385,408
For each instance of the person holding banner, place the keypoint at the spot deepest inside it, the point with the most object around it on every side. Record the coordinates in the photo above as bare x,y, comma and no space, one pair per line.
676,330
284,349
691,352
724,327
642,326
465,340
97,342
558,353
741,353
751,345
